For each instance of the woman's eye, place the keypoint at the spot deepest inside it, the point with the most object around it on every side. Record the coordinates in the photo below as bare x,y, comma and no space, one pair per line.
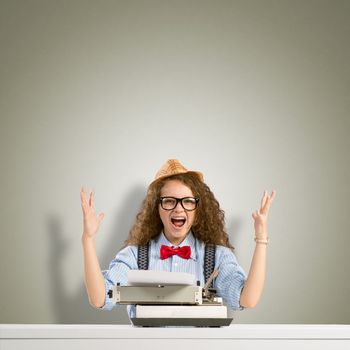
189,201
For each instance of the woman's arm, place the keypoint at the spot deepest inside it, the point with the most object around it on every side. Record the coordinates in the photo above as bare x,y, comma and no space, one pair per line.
94,281
254,284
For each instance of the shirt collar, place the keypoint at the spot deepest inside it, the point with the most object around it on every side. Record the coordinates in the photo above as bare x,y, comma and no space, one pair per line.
189,240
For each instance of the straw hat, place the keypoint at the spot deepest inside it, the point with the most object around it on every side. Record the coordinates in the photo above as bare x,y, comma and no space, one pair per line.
174,167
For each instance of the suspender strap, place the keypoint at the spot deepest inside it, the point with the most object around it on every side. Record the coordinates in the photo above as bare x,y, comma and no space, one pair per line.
209,262
142,257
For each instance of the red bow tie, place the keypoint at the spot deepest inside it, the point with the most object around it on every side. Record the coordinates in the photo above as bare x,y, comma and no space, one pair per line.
184,252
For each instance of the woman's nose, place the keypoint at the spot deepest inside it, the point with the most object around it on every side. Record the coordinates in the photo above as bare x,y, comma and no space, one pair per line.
179,206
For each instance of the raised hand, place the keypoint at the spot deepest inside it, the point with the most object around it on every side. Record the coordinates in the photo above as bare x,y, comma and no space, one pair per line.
260,216
91,221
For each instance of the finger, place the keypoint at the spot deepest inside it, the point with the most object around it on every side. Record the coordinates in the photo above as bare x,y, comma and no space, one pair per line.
263,199
91,200
267,205
273,195
83,197
82,193
100,217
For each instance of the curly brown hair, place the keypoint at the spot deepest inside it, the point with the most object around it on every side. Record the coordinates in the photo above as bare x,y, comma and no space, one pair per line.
209,222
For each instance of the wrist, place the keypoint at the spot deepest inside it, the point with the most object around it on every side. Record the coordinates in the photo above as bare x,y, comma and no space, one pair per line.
261,235
261,240
85,238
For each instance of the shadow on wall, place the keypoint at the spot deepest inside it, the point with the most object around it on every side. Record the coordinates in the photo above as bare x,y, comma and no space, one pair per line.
234,230
75,309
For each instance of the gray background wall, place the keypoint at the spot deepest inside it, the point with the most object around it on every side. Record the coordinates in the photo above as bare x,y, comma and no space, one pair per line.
255,94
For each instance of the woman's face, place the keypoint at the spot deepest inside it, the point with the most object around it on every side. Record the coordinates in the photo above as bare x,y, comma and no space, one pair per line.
178,221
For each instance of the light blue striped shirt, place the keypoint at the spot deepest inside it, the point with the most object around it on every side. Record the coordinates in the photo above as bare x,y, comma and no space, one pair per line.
228,283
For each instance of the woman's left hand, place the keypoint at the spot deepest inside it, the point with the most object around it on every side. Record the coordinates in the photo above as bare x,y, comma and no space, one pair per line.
260,216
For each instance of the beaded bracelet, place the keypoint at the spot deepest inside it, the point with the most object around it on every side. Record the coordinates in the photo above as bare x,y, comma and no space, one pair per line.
261,241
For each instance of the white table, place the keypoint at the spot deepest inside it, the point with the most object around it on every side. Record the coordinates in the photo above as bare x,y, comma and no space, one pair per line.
234,337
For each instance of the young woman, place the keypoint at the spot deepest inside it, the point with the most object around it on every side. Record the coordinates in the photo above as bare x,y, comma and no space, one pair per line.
179,216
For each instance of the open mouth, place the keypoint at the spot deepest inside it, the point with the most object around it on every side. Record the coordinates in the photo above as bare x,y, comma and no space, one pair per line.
178,222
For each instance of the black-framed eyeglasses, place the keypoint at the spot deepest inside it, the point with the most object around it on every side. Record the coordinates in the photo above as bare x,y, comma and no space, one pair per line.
170,203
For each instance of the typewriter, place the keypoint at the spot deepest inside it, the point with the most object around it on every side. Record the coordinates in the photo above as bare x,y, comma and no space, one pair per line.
163,299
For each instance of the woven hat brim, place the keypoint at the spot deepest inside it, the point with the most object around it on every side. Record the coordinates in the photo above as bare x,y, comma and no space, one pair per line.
198,174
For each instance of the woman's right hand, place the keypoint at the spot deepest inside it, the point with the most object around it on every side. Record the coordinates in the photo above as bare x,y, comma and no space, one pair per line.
91,222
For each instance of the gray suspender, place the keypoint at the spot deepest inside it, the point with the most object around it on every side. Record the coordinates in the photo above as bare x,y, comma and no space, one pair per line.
209,259
142,257
209,262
